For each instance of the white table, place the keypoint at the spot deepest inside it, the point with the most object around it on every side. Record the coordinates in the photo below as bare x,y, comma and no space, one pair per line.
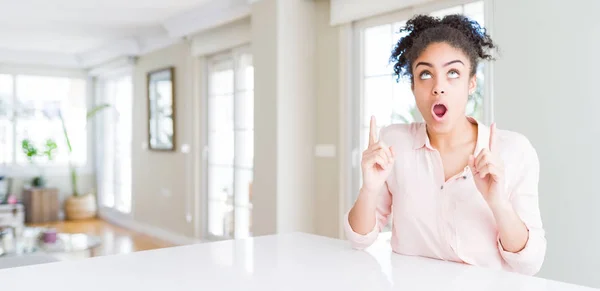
282,262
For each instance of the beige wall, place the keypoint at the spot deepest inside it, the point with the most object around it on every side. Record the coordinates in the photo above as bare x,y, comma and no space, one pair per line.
264,50
161,181
327,216
283,45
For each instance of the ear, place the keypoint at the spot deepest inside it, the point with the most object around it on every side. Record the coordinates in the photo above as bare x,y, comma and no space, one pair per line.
472,84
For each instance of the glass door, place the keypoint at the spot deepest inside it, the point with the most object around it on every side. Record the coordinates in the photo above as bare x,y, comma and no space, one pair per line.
230,147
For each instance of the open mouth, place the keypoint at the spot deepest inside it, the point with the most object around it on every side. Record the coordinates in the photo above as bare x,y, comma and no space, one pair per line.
439,110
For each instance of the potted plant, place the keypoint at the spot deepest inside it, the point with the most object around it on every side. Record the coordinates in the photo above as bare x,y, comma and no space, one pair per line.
31,151
79,205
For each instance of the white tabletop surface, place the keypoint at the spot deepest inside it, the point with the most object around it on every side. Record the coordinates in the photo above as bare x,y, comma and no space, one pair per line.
281,262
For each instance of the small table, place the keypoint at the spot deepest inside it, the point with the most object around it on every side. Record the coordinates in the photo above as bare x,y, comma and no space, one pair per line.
29,244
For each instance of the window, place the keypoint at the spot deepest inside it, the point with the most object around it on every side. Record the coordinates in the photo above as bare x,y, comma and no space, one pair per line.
30,107
385,98
230,146
114,150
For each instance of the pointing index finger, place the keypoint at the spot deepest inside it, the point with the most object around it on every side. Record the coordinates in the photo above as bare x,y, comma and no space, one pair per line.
492,136
372,131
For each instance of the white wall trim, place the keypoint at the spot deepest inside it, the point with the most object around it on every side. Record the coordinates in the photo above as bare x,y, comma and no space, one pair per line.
347,11
40,70
407,12
48,59
207,16
222,38
126,221
198,122
113,68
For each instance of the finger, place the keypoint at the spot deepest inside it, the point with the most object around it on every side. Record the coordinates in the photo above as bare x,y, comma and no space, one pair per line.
492,136
385,156
380,161
372,131
393,152
376,147
373,159
482,159
387,152
489,170
483,171
379,153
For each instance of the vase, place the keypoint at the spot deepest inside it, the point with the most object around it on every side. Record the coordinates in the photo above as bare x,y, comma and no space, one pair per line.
80,207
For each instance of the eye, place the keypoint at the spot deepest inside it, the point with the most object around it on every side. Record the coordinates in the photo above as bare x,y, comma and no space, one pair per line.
453,74
425,75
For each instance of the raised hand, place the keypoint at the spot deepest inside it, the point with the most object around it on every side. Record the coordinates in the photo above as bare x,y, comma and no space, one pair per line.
488,171
377,162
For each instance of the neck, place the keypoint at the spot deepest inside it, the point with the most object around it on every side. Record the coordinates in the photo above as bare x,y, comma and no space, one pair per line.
463,132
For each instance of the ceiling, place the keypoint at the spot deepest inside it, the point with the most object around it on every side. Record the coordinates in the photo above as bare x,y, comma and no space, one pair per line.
67,31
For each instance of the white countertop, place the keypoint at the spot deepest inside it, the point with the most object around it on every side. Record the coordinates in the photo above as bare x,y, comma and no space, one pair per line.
281,262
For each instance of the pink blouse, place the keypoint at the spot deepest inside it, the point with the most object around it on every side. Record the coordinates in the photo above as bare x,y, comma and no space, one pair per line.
450,220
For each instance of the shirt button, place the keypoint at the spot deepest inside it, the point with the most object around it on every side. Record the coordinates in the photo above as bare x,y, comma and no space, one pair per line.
442,187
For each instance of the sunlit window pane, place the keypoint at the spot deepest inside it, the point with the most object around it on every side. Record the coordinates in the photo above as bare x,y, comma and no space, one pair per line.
6,141
475,11
40,101
116,139
220,112
377,99
403,103
378,46
230,145
221,82
221,147
448,11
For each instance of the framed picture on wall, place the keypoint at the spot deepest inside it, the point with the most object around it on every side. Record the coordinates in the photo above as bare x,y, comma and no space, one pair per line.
161,109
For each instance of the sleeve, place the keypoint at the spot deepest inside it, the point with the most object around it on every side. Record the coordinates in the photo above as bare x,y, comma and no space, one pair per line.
382,213
524,199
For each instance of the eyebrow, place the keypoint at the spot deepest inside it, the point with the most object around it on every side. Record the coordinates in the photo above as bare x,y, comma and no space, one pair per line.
454,62
445,65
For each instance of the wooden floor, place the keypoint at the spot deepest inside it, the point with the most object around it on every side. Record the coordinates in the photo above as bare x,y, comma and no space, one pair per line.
115,239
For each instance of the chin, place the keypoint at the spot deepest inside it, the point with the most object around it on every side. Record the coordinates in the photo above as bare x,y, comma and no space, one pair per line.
438,125
439,128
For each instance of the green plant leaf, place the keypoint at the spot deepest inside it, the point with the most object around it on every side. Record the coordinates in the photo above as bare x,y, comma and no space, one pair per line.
95,110
50,149
29,149
62,122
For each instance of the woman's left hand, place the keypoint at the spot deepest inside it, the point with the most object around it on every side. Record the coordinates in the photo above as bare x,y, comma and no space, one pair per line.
488,172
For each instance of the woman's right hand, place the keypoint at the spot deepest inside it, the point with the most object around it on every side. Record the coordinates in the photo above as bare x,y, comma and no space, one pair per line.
377,162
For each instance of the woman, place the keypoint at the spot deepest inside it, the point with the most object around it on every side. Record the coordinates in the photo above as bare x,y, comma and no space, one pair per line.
458,190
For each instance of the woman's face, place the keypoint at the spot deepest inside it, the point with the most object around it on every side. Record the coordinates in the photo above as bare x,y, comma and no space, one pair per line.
441,85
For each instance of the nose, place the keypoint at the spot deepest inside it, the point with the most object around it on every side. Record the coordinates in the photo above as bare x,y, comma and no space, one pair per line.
439,88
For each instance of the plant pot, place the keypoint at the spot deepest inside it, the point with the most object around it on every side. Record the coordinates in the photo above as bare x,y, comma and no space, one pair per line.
80,207
38,182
